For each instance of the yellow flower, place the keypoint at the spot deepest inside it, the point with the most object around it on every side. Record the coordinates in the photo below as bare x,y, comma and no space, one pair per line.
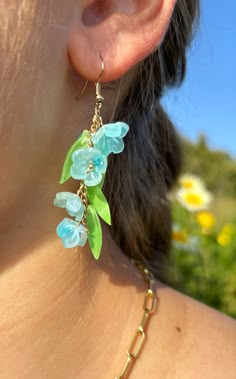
223,239
194,200
179,236
229,229
181,240
225,236
191,182
206,220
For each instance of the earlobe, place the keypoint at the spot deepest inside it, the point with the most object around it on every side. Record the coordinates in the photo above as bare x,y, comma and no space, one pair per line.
122,32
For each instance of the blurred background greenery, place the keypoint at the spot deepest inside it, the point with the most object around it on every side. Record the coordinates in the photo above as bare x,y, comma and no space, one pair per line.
203,263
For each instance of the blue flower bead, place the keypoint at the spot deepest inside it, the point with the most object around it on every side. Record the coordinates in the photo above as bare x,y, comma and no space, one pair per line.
72,203
71,233
108,139
88,164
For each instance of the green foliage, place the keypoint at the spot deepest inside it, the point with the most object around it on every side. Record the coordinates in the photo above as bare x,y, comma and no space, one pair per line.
95,231
98,200
202,262
217,168
208,274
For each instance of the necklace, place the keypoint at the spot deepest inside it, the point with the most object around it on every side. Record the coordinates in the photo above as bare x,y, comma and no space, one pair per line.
139,336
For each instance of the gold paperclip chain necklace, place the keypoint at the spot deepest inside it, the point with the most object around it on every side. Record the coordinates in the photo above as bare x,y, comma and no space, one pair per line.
139,336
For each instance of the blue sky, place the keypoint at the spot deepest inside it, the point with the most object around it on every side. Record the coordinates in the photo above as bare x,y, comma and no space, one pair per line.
206,103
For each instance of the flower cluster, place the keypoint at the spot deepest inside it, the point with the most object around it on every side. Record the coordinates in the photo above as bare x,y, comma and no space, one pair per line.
192,194
71,232
87,161
194,199
202,262
193,216
90,163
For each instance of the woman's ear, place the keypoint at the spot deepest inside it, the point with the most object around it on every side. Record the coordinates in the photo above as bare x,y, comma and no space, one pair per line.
123,32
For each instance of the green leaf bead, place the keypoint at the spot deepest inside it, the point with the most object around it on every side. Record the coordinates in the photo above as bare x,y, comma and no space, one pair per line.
81,142
98,200
95,231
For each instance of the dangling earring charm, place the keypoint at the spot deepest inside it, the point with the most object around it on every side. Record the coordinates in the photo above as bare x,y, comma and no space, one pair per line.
87,161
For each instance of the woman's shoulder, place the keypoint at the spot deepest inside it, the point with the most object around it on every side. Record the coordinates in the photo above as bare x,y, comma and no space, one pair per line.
193,340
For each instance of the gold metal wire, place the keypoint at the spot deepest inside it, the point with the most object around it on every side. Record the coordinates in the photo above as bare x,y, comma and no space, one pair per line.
139,337
96,83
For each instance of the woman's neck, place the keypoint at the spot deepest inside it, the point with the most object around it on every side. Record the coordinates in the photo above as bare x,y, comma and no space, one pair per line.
63,313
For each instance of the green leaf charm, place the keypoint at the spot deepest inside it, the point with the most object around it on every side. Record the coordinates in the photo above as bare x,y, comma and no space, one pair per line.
82,141
98,200
95,231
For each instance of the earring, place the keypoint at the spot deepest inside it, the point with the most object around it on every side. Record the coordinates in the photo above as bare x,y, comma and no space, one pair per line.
87,161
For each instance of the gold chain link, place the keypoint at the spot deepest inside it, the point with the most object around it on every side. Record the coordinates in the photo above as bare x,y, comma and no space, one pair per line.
96,124
139,336
97,119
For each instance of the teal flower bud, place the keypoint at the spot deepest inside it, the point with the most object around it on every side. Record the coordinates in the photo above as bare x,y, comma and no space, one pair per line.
71,233
109,138
72,203
88,164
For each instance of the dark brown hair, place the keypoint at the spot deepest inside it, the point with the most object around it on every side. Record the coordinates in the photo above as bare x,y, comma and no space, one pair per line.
139,179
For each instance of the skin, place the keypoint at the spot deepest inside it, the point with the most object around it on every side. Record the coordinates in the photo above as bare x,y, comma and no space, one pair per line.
64,315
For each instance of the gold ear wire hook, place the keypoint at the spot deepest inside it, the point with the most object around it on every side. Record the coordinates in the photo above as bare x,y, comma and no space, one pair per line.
97,84
103,68
99,96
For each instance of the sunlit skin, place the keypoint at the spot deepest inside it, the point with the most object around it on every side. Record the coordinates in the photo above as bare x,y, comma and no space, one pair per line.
64,315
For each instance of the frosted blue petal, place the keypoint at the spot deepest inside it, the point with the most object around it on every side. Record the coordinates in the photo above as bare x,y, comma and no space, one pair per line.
83,235
111,145
75,208
74,205
100,133
83,159
100,163
93,178
71,233
71,202
112,130
104,147
108,139
67,231
99,140
61,199
78,171
124,128
81,156
117,145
